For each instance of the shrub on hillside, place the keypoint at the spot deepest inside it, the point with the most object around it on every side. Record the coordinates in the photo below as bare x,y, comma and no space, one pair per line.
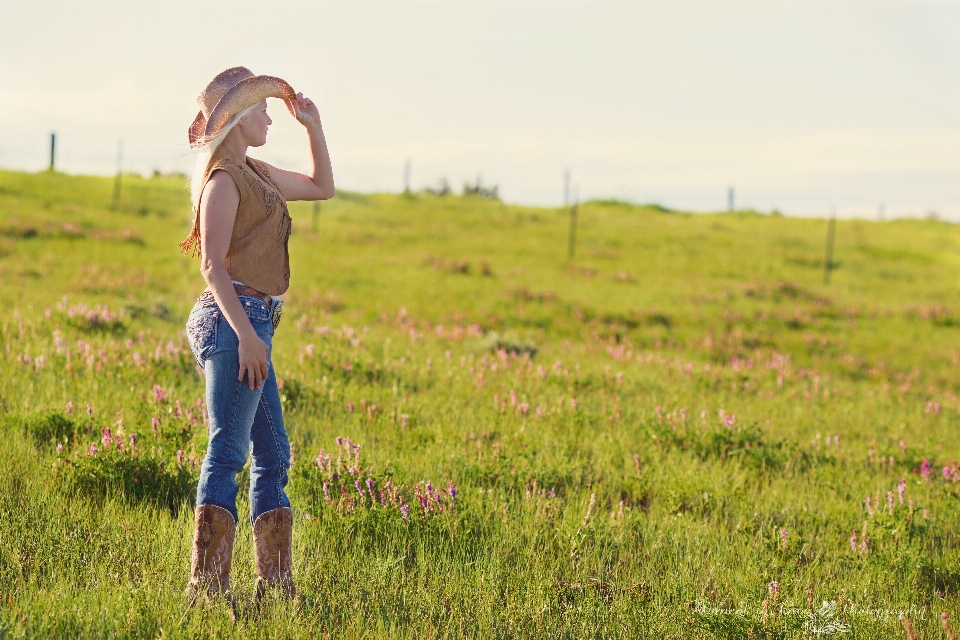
128,472
45,427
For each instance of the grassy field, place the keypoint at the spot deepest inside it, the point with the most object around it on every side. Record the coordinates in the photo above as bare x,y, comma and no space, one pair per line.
683,433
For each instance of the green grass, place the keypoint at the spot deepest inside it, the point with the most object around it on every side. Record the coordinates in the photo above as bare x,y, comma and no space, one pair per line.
629,434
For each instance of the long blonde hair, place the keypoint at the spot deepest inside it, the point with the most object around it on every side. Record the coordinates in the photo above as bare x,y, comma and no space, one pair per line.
205,151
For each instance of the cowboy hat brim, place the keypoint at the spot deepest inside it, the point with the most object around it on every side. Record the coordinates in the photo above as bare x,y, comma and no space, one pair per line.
245,93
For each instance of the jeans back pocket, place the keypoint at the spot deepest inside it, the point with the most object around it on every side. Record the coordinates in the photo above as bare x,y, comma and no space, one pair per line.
202,333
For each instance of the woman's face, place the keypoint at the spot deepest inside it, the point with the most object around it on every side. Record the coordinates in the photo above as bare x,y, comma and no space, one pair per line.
255,124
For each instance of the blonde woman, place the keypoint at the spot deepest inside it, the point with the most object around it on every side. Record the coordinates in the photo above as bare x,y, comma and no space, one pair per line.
240,231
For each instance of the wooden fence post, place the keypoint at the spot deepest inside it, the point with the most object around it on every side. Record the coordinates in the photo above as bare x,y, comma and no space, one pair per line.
116,181
828,260
572,241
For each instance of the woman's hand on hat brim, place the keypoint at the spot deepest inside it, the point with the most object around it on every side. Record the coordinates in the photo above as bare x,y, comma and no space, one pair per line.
304,110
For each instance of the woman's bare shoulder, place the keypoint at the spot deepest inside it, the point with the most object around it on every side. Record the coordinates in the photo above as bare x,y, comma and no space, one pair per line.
221,190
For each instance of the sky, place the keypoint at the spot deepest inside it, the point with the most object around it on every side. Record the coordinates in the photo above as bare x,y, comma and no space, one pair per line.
801,106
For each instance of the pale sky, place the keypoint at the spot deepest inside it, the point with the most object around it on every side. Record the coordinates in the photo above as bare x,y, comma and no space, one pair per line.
799,105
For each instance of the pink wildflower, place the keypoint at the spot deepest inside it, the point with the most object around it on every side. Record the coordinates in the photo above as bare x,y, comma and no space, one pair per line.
901,488
69,408
925,469
853,540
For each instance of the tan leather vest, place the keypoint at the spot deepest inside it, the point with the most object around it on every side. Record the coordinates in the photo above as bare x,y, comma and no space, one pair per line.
258,255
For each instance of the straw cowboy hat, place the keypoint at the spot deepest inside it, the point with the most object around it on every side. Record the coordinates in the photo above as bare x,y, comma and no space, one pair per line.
228,94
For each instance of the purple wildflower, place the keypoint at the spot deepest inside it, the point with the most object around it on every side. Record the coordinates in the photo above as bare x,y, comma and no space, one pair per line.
93,450
890,502
452,490
350,407
901,488
774,588
783,537
373,498
155,422
69,408
179,457
853,540
356,485
107,437
326,492
925,469
404,512
946,472
133,439
157,393
89,410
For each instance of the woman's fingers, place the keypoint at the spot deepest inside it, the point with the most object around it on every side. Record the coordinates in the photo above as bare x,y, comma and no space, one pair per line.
255,373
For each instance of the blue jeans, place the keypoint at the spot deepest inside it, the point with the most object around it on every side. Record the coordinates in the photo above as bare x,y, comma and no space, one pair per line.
241,420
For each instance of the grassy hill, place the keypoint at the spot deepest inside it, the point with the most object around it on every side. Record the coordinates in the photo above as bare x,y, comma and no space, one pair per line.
641,440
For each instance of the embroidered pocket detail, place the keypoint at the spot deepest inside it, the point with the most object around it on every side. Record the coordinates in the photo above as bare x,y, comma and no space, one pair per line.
202,335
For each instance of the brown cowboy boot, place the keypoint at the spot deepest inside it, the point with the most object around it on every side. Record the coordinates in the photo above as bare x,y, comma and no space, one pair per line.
213,534
272,544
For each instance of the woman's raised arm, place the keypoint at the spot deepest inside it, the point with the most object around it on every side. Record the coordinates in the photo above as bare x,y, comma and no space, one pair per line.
319,184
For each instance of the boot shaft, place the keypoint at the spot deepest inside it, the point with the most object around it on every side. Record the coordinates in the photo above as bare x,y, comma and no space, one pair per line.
273,548
213,536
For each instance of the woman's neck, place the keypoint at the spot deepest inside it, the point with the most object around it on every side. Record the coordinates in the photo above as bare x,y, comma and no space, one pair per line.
235,144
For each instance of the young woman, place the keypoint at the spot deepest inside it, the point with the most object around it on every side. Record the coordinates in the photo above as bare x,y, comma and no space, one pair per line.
241,230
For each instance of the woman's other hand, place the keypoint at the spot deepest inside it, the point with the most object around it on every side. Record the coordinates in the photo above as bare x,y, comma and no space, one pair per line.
304,110
254,361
